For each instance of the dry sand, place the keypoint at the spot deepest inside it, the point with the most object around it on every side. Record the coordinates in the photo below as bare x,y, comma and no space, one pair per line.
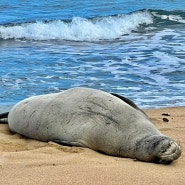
24,161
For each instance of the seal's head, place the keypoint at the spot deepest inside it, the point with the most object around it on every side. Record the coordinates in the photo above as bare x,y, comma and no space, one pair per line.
158,149
167,151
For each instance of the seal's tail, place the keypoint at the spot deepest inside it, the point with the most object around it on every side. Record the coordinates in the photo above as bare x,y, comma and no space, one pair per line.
4,118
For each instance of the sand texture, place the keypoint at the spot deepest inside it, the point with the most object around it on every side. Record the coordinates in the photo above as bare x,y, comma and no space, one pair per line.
25,161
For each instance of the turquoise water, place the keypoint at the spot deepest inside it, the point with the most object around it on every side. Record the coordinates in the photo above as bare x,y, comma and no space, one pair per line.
133,48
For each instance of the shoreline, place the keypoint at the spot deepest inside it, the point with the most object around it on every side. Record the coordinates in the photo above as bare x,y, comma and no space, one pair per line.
27,161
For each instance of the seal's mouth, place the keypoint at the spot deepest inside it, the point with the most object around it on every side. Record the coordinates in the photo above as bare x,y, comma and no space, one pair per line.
169,153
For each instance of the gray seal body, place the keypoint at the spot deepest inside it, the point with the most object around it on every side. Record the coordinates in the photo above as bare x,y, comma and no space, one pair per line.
95,119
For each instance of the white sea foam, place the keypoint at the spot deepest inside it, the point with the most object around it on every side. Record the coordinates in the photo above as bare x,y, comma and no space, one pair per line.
175,18
78,29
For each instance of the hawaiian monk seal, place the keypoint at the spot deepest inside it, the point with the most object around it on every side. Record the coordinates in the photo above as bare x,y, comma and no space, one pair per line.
91,118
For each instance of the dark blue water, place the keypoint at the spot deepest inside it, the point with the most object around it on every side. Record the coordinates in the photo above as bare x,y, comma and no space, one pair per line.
133,48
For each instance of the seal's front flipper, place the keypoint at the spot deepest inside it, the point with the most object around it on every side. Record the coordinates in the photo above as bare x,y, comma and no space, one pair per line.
128,101
4,118
68,143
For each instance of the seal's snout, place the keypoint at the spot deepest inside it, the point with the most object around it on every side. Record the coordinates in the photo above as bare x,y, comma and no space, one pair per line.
170,152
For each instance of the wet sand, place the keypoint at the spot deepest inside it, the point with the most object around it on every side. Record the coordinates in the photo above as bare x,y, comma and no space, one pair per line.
25,161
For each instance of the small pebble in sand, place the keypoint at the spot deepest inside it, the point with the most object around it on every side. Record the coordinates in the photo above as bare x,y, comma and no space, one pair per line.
165,114
165,120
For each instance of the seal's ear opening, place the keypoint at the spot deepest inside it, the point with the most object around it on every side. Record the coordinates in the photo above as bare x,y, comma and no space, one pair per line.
4,118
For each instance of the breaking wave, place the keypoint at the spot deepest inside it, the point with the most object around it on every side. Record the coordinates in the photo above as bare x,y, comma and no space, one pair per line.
93,29
78,29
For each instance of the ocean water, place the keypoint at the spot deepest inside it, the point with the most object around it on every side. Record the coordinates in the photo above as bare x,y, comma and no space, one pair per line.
132,48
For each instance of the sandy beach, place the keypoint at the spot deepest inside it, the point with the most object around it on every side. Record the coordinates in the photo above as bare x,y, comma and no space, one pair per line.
25,161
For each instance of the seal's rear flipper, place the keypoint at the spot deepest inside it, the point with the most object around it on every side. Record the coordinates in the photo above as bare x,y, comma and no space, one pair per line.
68,143
4,115
4,118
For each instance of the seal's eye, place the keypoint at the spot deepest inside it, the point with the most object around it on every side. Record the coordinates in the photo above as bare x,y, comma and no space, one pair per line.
163,151
170,144
165,148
